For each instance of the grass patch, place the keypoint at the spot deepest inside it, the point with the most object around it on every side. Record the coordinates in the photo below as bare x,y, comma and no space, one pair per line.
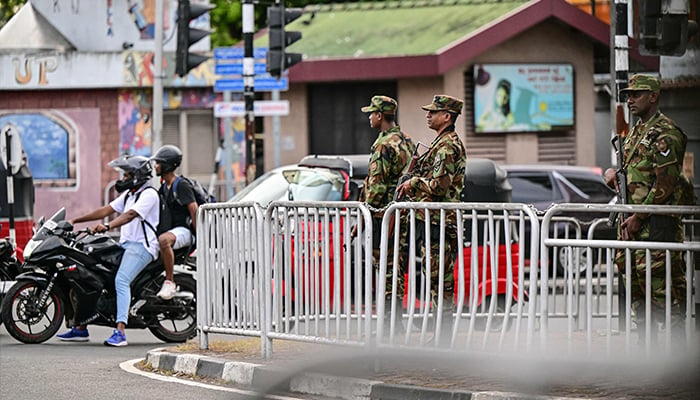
244,346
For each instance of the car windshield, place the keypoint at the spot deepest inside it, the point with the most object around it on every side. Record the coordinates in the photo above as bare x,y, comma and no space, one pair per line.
269,187
294,183
316,184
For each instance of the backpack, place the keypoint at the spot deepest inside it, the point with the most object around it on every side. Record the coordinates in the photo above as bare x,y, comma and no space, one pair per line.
201,195
164,220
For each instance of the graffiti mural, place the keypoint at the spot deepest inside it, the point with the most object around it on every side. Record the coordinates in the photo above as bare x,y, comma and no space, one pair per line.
135,125
135,108
138,70
190,98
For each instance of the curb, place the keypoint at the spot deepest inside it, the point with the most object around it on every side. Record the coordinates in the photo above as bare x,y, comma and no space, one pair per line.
266,378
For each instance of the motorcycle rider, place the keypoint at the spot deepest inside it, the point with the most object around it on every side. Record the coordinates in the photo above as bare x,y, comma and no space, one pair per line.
182,205
136,207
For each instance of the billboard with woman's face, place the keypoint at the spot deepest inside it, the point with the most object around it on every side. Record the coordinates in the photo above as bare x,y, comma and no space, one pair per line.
523,97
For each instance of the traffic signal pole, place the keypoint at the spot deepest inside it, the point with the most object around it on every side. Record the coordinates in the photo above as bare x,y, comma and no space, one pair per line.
619,66
249,87
157,112
620,55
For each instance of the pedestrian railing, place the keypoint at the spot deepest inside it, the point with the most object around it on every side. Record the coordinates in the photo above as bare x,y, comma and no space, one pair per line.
604,299
521,282
488,273
230,259
318,271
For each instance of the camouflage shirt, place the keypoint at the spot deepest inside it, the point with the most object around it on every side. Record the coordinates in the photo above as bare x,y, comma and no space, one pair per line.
439,173
390,155
654,152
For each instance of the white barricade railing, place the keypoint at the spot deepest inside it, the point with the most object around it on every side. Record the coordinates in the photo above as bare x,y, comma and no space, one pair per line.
230,262
599,298
320,274
490,258
295,271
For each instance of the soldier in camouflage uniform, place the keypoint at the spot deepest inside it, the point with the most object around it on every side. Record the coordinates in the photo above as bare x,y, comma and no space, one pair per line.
389,158
438,176
390,154
653,162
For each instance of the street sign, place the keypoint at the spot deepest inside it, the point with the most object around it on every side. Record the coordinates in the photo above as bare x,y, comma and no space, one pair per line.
11,136
261,85
234,53
237,69
262,108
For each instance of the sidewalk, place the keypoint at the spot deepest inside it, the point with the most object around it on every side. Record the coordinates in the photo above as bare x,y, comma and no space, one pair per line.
332,372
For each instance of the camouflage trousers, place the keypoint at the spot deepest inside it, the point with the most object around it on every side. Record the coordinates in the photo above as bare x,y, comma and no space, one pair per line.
657,228
421,254
638,284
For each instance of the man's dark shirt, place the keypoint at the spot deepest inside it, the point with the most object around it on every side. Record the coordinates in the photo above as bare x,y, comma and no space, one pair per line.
178,211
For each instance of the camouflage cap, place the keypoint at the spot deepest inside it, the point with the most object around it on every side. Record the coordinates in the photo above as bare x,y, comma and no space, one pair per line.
640,82
383,104
443,102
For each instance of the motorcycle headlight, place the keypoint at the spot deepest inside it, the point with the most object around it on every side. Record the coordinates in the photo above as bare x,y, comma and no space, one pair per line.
29,248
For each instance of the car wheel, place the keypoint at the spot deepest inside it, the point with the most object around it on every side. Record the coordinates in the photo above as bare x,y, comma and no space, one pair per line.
498,318
568,256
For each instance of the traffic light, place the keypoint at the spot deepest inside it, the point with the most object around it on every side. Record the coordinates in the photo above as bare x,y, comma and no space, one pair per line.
663,27
277,57
186,36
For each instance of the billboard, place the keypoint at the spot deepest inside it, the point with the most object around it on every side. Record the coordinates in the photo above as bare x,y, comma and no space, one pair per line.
523,97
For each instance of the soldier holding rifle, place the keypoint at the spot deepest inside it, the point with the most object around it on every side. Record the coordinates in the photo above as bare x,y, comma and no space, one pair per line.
438,176
651,173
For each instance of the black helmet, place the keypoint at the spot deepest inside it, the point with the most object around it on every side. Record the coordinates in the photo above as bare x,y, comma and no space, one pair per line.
169,157
138,169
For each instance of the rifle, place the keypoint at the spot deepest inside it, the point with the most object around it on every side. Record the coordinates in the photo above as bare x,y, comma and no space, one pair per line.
402,179
621,178
407,175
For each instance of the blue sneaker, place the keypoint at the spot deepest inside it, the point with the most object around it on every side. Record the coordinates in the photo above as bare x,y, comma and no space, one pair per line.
117,339
75,335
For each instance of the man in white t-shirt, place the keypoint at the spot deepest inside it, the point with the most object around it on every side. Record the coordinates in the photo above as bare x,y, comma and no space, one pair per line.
134,205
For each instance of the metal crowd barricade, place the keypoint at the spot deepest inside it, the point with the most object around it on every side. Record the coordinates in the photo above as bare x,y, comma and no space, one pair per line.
230,267
604,304
490,260
319,272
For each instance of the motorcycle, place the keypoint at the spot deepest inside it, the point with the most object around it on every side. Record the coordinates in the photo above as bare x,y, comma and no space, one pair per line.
63,267
9,268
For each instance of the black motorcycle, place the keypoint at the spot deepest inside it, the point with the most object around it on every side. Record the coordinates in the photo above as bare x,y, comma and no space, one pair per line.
63,268
9,268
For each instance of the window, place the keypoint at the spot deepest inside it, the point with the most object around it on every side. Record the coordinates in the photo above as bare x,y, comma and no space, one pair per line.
49,140
598,192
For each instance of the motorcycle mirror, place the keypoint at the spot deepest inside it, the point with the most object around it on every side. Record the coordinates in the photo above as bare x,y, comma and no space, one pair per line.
38,224
66,226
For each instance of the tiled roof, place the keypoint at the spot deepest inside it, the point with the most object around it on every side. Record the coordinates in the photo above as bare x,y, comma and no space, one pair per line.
392,28
395,39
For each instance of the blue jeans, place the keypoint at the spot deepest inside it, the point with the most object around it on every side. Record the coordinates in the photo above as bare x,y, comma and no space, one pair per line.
134,260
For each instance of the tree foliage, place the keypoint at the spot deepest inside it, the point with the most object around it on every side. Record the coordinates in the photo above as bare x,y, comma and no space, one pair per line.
227,21
8,8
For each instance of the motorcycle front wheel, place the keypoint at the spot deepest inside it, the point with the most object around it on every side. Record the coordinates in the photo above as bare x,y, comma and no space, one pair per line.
24,319
178,326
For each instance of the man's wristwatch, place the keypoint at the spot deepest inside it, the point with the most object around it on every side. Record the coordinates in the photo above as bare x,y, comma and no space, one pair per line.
107,225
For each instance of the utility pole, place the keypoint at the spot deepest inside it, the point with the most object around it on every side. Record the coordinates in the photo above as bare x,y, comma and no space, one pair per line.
619,67
248,87
157,113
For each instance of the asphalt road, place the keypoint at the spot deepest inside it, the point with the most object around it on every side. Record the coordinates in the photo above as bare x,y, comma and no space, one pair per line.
58,370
